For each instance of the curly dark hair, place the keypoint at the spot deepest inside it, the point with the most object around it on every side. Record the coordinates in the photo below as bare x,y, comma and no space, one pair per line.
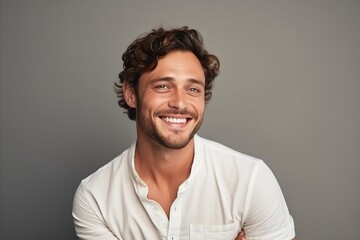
144,53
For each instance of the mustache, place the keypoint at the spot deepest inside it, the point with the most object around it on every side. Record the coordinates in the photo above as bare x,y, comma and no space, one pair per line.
176,112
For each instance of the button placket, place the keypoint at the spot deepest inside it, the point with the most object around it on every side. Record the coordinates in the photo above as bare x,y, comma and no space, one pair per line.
175,220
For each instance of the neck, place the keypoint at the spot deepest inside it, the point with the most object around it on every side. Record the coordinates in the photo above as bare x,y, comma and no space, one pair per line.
161,165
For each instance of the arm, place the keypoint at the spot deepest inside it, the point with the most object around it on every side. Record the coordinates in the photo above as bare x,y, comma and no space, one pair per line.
266,214
88,223
241,236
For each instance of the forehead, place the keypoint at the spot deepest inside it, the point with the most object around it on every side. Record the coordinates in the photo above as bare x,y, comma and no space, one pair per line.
177,64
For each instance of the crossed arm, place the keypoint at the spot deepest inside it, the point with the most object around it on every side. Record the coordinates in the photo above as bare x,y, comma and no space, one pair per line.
241,236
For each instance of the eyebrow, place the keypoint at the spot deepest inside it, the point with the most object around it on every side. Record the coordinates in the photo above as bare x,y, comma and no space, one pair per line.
171,79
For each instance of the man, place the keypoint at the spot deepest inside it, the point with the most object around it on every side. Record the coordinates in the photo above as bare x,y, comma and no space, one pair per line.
171,183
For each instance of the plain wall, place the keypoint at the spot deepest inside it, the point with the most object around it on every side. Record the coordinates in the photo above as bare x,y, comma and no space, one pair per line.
288,92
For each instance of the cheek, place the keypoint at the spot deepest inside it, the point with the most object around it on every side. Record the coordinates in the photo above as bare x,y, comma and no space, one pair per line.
151,103
199,105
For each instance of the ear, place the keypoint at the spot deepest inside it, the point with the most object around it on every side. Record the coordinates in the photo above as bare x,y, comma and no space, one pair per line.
129,94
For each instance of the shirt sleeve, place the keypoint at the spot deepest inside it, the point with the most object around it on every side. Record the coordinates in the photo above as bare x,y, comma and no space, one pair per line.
267,216
89,224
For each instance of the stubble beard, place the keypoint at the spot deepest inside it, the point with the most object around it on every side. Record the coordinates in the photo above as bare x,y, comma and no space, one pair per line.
175,141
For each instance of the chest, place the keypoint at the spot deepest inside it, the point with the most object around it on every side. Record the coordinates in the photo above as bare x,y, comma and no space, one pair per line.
200,211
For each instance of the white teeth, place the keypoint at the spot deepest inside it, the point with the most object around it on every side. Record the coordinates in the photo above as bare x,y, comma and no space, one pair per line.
175,120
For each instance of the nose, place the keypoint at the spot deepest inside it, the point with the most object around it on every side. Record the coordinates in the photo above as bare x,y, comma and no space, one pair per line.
178,100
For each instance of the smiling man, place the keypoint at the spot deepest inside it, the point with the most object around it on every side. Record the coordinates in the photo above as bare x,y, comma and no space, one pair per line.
171,183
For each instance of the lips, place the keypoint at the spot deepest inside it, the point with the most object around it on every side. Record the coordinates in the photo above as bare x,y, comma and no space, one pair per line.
175,120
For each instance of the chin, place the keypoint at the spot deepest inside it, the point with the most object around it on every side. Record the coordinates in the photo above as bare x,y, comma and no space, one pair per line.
178,142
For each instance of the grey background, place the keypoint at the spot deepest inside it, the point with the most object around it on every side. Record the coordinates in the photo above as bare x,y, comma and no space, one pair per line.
288,92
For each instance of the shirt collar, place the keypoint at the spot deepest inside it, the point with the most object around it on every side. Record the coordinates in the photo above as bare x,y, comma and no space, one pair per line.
198,158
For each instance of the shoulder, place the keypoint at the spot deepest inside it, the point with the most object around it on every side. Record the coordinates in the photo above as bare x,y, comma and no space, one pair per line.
228,164
101,178
225,155
97,192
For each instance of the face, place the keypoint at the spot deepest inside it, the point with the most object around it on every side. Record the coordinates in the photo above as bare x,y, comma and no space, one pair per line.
170,101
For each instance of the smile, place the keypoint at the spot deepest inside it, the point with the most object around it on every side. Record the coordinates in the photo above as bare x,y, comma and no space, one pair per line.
174,120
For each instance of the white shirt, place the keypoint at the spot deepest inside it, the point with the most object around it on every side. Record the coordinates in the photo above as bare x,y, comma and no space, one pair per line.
226,191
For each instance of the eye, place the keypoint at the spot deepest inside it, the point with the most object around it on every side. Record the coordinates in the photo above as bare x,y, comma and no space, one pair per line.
161,87
194,90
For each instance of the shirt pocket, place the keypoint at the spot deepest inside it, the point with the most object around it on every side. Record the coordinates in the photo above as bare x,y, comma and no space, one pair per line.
213,232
